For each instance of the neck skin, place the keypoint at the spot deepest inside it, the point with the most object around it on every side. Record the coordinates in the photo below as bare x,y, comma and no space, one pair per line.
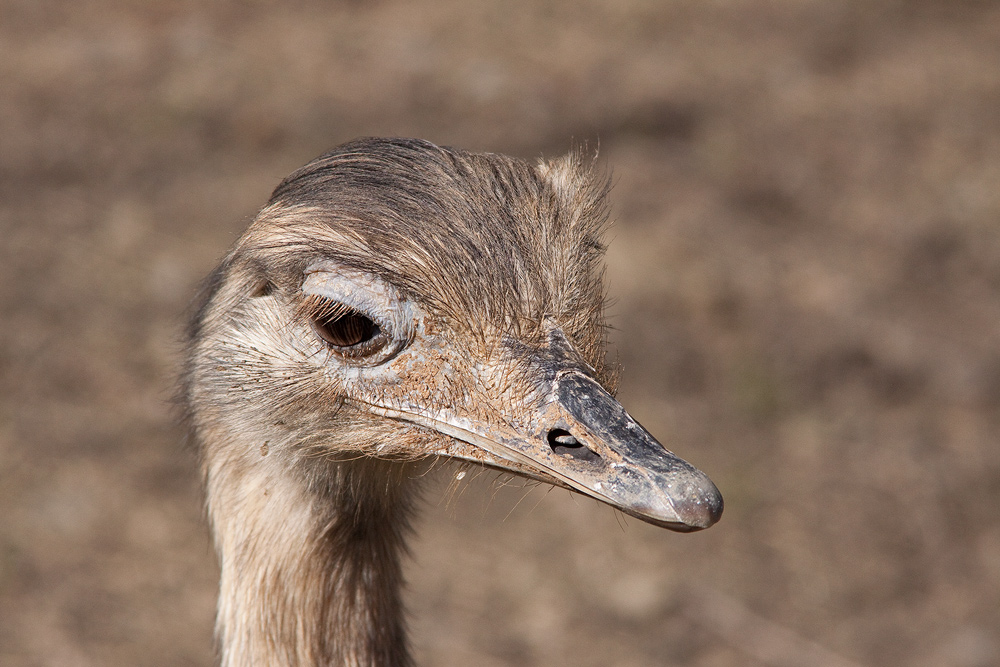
310,559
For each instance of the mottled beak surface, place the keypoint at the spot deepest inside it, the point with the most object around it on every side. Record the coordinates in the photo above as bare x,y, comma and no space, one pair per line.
600,450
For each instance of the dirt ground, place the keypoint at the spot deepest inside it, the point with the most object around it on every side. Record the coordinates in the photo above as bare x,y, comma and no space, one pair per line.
805,262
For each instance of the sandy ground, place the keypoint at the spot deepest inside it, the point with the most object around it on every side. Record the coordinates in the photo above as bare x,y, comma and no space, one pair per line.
805,261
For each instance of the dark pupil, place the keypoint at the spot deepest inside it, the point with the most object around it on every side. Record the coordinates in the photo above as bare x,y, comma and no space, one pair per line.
347,329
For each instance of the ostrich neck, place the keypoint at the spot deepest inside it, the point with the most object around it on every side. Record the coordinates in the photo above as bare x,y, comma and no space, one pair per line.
310,559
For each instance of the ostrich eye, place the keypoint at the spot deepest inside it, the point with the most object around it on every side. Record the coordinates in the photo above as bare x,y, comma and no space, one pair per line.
347,330
359,317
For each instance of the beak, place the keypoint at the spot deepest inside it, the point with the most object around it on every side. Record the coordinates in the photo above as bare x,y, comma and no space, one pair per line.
573,433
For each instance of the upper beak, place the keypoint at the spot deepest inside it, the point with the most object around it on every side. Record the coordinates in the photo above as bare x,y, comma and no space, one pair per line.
578,436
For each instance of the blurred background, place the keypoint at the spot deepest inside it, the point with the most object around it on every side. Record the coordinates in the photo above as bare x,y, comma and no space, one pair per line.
805,265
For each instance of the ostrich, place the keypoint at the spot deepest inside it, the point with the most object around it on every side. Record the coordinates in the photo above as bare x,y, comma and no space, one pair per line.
395,302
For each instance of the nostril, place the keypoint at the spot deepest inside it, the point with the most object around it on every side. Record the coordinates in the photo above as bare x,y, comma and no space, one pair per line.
565,444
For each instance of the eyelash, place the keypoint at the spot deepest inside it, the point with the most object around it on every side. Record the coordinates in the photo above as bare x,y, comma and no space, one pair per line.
347,330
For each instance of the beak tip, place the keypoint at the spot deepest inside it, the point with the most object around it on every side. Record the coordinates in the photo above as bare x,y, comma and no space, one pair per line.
702,508
697,509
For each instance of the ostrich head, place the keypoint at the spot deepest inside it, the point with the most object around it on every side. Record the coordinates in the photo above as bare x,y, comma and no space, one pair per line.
397,301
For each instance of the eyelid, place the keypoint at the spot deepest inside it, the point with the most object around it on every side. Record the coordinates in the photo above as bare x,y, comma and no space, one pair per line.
318,307
357,289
